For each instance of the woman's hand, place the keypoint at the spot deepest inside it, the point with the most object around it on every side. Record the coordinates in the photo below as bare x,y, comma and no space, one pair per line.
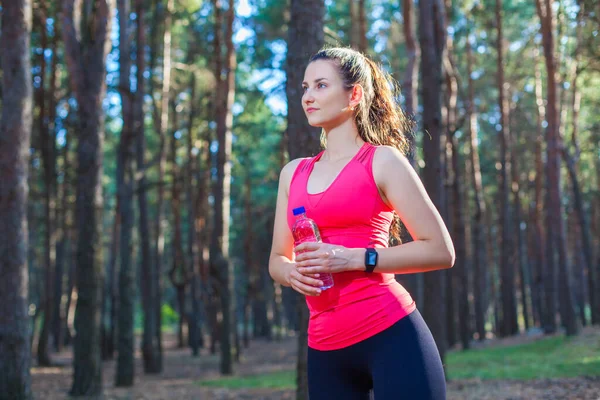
316,258
303,283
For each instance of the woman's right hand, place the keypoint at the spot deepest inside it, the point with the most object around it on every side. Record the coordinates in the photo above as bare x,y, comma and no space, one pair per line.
308,285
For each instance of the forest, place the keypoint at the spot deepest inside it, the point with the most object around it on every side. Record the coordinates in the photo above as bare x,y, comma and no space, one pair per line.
141,143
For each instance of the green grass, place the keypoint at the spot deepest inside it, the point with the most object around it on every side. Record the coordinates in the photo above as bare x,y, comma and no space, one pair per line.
546,358
275,380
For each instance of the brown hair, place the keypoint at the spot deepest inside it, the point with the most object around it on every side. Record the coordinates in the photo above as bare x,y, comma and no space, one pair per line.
379,117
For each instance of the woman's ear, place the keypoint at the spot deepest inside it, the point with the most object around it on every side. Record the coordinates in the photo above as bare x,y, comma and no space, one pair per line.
356,96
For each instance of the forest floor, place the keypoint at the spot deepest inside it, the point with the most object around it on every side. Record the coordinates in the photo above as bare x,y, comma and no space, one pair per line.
183,375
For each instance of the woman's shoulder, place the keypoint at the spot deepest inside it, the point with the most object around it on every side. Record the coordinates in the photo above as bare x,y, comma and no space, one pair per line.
389,158
288,170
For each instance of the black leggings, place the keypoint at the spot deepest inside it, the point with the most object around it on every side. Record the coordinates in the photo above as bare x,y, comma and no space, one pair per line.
402,362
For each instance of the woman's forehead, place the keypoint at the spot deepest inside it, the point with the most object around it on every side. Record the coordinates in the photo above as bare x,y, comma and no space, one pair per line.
320,69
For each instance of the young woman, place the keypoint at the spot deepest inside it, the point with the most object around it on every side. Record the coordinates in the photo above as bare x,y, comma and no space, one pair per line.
365,332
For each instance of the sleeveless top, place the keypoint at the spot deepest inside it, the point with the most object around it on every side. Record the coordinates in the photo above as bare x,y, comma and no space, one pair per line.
350,213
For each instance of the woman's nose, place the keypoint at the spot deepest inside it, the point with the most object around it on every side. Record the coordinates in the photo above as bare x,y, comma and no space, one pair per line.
308,97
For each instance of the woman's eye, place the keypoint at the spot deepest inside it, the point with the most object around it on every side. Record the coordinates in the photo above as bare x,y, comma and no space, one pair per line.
321,85
304,88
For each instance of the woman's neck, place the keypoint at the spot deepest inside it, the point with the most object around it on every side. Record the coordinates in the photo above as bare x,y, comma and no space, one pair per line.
343,141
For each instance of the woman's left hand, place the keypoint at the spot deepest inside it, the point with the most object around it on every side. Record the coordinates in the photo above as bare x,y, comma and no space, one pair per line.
315,258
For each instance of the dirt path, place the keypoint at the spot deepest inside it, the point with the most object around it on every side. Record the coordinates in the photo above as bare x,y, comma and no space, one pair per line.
182,373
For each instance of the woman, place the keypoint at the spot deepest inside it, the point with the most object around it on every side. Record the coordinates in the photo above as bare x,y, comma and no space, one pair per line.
365,332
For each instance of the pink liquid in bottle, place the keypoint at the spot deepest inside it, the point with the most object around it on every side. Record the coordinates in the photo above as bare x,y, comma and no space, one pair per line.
306,230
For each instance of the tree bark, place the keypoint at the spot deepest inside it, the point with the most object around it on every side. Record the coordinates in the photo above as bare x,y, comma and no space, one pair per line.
410,83
150,347
305,37
125,372
15,137
362,27
85,51
48,150
509,325
219,254
544,277
554,211
480,279
432,43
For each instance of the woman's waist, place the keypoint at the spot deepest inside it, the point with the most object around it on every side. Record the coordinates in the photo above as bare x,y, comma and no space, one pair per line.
356,287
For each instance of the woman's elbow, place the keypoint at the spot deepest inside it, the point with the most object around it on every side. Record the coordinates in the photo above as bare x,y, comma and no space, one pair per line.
449,256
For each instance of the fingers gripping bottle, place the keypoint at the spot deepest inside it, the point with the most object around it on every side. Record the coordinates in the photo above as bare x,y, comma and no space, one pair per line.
306,230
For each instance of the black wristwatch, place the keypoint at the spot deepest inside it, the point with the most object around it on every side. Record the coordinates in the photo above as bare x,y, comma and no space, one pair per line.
370,260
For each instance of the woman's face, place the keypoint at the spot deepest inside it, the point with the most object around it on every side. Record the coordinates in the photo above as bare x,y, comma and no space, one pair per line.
325,99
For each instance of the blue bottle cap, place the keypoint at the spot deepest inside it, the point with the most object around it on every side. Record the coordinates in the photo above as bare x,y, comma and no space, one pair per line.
298,210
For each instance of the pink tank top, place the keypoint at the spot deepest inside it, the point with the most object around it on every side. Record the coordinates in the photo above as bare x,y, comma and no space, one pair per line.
350,213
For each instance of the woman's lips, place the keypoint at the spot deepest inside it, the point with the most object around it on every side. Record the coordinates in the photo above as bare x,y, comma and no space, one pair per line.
310,110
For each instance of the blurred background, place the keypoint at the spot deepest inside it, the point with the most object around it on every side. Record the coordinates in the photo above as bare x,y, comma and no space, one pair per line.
151,134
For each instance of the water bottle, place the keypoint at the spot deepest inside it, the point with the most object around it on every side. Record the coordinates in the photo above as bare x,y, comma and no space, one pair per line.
306,230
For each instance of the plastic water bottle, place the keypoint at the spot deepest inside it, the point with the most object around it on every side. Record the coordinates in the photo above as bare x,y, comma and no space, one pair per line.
306,230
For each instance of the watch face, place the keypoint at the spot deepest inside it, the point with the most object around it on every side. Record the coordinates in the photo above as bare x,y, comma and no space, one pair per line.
371,258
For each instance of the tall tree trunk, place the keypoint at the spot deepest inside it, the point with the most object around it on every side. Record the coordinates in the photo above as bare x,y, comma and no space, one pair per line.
125,372
353,24
520,262
47,145
249,240
179,272
457,278
554,211
108,292
545,281
192,233
59,213
15,138
62,250
573,170
150,348
509,325
219,253
362,27
305,37
410,82
432,42
478,236
162,130
85,52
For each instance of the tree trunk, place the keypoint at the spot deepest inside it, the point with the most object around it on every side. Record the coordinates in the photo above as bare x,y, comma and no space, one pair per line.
480,280
520,262
162,130
86,53
249,240
431,23
15,137
509,325
179,272
126,292
410,83
192,233
545,275
305,37
554,214
573,170
219,252
150,348
362,27
47,144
